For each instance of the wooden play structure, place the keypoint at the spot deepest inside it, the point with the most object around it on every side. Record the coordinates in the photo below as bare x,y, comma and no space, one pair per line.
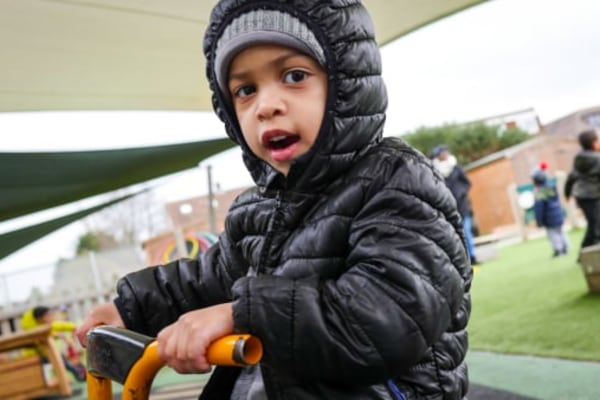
25,376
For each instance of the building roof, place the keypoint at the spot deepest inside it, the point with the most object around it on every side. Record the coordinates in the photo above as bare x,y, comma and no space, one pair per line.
505,153
567,126
574,123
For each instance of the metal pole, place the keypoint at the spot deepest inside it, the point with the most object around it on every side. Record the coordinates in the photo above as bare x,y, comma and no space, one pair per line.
180,242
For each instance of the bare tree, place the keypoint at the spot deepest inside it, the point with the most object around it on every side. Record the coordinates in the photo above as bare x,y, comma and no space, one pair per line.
130,221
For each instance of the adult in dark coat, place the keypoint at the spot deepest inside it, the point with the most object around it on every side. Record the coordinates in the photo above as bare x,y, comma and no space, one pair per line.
459,185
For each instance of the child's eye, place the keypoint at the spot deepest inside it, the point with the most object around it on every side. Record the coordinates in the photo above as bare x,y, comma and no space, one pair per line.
294,76
244,91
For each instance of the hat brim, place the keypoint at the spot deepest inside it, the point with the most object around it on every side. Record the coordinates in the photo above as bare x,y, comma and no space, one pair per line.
233,47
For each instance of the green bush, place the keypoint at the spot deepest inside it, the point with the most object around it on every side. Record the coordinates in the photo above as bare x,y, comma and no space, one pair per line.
468,142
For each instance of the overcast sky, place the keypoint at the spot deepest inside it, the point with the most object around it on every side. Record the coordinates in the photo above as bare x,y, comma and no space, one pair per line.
495,58
498,57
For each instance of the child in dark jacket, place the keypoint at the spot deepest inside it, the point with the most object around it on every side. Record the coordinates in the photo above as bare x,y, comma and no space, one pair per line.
583,183
347,258
549,212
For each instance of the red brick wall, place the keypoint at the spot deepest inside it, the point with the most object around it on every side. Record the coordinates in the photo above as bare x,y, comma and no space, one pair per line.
489,196
199,214
557,152
490,183
159,248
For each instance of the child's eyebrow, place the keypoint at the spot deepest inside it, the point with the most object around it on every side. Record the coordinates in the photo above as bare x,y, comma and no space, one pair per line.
242,73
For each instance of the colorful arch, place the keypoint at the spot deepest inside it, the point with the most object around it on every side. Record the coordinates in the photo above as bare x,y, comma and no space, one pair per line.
196,244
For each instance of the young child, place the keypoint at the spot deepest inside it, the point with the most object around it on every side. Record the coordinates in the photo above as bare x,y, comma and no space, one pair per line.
347,260
583,182
548,211
42,315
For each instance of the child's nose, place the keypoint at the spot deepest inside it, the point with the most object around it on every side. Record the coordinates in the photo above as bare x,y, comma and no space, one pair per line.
270,103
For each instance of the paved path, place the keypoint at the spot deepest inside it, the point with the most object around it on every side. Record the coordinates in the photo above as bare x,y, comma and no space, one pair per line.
536,377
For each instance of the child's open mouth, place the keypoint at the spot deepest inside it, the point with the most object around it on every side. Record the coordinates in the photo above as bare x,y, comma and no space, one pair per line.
281,142
281,145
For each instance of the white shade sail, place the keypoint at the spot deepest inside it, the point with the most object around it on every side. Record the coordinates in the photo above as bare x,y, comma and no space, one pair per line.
134,54
119,55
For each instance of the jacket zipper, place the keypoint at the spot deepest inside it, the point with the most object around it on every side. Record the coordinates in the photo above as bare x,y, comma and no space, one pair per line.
260,268
267,381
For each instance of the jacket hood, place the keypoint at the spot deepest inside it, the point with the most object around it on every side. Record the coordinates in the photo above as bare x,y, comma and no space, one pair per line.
356,99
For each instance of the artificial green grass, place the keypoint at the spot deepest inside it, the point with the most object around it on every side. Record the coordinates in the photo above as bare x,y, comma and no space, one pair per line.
525,302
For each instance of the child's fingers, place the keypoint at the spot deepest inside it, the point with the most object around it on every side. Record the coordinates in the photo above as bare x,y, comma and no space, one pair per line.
104,314
183,349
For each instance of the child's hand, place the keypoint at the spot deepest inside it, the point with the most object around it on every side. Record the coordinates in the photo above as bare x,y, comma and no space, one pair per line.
183,344
104,314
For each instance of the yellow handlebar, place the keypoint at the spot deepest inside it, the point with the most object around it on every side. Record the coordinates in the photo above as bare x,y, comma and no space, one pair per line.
107,342
235,350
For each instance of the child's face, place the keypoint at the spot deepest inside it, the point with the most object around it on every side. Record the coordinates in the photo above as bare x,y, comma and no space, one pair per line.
46,318
279,97
443,156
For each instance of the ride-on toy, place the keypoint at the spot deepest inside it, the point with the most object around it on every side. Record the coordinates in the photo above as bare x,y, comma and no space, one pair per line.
131,359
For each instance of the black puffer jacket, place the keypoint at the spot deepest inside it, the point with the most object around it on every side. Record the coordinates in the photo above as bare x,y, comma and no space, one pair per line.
352,270
583,182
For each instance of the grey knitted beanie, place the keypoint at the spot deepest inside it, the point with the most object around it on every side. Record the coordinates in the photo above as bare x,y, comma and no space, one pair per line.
261,27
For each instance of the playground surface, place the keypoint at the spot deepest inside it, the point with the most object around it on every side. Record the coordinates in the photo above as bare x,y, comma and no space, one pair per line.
493,377
528,377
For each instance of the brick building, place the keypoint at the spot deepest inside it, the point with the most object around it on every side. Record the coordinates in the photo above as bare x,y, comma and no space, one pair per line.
192,232
496,177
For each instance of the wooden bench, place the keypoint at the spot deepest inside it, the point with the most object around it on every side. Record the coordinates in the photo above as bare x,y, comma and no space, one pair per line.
25,376
590,266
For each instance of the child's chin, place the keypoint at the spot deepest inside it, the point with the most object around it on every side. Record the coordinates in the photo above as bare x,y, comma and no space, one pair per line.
281,167
284,170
